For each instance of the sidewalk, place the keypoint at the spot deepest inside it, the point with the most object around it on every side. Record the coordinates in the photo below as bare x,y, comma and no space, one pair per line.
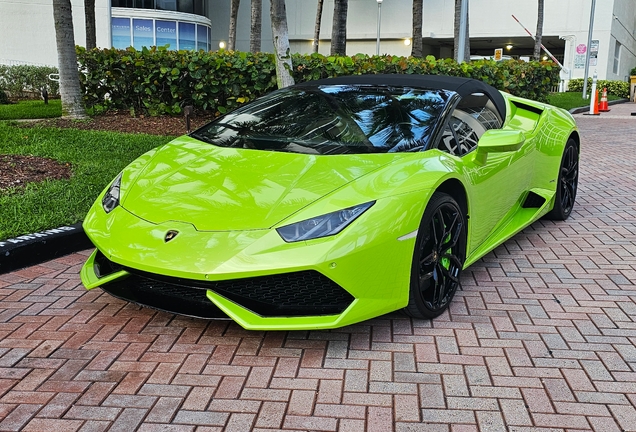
542,338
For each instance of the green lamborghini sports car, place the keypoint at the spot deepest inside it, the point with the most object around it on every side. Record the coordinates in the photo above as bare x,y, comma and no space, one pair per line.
331,202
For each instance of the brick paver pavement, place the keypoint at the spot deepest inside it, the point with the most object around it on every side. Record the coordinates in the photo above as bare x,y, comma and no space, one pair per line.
542,338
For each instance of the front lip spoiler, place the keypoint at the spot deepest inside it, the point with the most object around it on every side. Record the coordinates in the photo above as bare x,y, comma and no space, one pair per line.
202,309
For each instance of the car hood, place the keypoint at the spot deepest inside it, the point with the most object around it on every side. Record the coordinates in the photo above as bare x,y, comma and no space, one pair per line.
224,189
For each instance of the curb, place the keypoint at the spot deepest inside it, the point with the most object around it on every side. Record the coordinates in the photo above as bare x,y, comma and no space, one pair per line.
587,108
30,249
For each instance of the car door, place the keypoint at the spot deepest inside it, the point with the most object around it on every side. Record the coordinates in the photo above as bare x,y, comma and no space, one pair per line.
496,186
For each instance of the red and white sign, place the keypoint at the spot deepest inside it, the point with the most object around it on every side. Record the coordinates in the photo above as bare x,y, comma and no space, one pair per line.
581,49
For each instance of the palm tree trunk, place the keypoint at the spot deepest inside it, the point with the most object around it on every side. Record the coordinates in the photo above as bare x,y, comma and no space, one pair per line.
339,29
317,28
539,35
416,39
280,36
89,14
231,39
255,34
70,91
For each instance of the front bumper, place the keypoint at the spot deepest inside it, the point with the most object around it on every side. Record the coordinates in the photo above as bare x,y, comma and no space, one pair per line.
253,277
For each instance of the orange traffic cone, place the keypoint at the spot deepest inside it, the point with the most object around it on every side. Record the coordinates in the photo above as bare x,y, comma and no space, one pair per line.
602,106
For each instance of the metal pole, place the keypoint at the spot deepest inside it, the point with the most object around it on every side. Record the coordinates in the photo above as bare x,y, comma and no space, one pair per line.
463,19
589,45
593,100
377,44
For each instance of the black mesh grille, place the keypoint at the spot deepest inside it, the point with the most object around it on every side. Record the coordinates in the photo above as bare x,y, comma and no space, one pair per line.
290,294
305,293
171,298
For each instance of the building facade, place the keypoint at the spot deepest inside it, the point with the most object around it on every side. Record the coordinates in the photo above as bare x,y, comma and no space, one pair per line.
28,34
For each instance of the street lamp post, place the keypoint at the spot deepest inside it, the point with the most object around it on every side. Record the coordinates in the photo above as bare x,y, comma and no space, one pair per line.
377,44
589,44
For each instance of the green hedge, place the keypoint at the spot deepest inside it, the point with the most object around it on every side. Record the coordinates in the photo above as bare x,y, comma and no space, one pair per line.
23,81
158,81
617,88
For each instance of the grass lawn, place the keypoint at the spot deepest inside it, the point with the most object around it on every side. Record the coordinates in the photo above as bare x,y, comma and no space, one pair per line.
95,158
31,109
569,100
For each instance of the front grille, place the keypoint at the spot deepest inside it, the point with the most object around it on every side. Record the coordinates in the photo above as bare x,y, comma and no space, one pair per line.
305,293
290,294
189,301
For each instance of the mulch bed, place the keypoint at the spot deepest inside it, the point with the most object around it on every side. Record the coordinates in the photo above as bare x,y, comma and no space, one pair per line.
17,170
123,122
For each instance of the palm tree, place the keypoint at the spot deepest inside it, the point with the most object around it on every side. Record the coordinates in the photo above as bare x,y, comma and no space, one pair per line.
458,15
70,91
280,36
89,14
255,34
231,39
416,42
339,29
317,28
539,35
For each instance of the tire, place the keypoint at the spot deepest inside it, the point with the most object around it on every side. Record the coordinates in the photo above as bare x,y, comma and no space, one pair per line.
567,183
438,258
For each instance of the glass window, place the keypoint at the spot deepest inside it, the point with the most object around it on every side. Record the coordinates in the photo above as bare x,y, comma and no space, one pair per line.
332,120
186,6
199,7
202,37
459,138
144,4
122,3
120,28
143,36
474,115
617,57
166,33
187,40
166,5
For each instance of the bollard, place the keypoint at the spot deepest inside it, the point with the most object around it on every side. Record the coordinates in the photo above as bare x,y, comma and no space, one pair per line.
187,112
593,98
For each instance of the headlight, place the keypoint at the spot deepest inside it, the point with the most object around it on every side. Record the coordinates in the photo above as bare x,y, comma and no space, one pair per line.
322,226
111,197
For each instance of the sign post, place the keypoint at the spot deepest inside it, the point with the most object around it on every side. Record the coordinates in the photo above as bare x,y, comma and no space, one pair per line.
589,44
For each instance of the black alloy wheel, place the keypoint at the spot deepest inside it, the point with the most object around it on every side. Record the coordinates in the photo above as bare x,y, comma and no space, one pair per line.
567,183
438,259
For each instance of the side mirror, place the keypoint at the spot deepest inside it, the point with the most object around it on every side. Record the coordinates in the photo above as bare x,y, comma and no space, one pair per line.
497,141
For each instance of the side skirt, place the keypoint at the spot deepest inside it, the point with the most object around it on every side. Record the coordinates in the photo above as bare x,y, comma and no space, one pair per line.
519,218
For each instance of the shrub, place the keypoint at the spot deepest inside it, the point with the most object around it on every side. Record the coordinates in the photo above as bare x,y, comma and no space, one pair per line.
3,98
633,71
158,81
617,88
22,81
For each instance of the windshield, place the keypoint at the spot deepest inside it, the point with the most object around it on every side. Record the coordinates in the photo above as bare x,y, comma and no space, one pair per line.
333,119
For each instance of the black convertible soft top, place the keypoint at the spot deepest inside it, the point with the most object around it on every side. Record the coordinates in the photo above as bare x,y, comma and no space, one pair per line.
462,86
